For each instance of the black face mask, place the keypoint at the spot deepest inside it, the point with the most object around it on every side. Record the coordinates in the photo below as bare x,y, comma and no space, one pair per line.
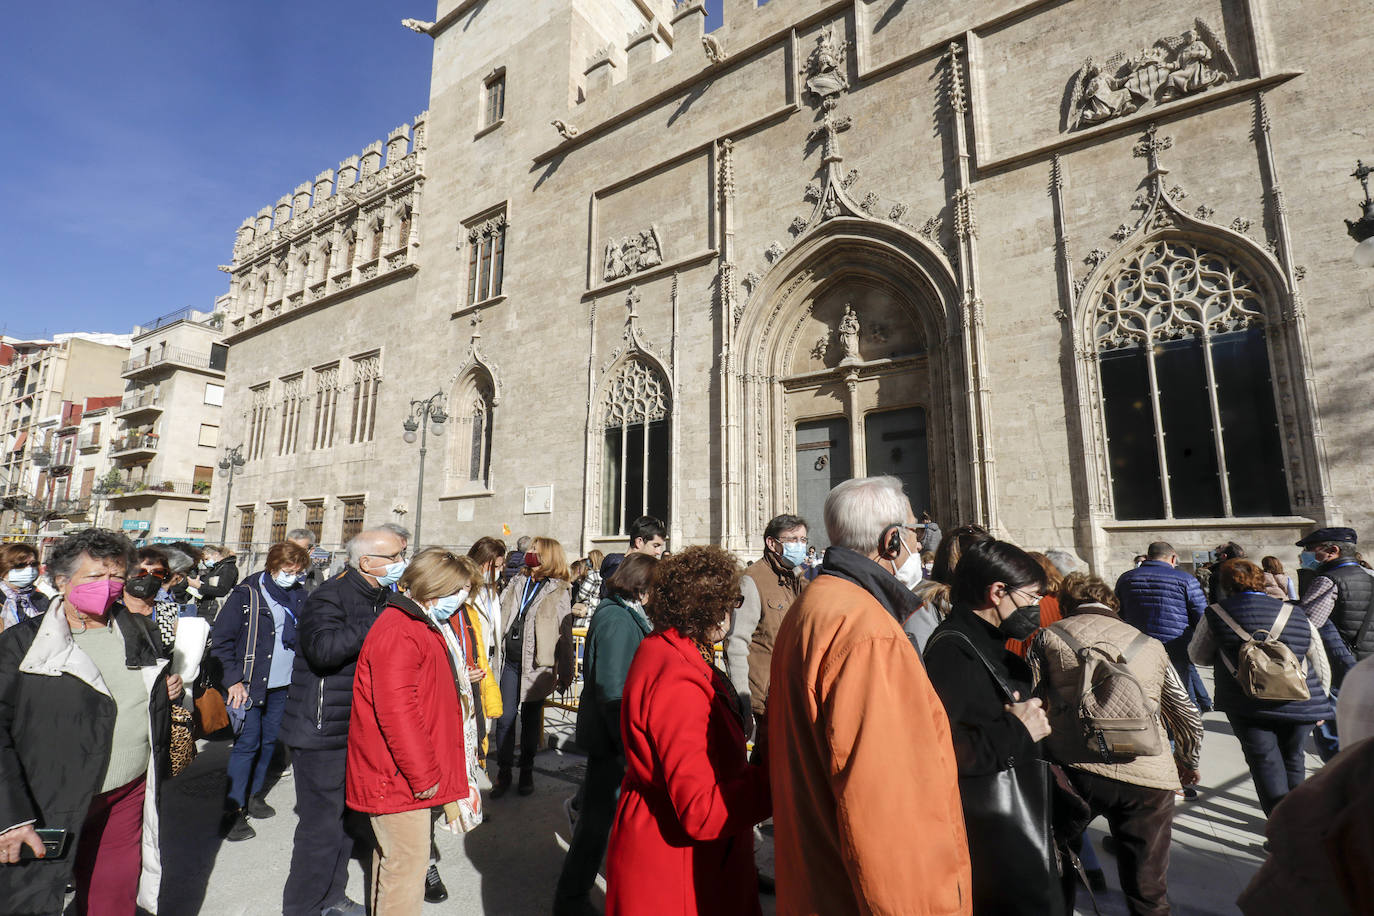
143,587
1022,623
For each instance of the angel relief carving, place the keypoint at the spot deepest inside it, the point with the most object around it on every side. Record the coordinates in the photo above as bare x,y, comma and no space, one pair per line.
1169,69
636,252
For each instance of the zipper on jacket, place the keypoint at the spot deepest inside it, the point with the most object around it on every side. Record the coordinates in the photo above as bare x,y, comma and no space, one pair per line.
319,706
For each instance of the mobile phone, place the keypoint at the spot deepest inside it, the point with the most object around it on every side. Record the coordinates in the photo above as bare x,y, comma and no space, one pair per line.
54,843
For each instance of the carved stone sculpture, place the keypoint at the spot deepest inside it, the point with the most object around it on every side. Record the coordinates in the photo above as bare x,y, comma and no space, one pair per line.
1194,69
629,255
826,77
418,25
565,130
715,51
849,334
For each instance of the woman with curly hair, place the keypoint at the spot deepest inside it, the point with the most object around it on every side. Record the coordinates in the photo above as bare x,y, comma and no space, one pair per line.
690,799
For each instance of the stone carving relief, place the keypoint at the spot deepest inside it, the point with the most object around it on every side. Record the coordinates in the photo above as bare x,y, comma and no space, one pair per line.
1171,68
715,51
630,255
565,130
774,253
849,334
418,25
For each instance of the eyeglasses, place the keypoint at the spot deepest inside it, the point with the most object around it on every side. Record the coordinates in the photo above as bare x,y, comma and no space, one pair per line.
1033,599
799,540
398,555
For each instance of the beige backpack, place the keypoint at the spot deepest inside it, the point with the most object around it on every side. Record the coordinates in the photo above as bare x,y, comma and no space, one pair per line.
1117,718
1265,668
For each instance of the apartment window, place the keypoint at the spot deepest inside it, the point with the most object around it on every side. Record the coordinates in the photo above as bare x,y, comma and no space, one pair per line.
95,434
202,479
293,394
494,91
195,521
257,420
245,529
367,378
486,258
209,435
326,406
352,519
278,530
214,394
314,520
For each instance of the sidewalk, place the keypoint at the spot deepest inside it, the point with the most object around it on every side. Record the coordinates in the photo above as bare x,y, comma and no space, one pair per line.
508,867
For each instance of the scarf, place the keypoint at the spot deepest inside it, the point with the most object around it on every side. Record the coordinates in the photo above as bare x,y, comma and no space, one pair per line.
852,566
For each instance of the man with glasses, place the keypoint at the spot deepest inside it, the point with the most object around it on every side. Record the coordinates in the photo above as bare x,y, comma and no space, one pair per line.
1339,600
770,585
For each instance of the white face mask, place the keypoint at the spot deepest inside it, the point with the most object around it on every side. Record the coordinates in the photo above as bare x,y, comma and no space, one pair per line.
910,572
22,576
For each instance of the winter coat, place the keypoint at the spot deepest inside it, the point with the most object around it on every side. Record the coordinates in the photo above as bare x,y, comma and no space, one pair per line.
229,637
1354,603
1257,611
56,723
330,631
405,733
682,843
771,591
546,645
865,786
216,583
616,632
1159,599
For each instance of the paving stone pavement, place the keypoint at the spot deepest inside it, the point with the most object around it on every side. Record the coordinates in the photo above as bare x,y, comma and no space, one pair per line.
508,867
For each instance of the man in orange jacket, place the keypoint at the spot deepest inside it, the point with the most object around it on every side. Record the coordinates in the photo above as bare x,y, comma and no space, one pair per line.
865,786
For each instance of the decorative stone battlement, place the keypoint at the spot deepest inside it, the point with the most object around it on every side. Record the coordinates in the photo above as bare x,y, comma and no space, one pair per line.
344,227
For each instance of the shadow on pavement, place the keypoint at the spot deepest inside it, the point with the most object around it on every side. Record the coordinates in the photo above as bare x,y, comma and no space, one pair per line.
190,840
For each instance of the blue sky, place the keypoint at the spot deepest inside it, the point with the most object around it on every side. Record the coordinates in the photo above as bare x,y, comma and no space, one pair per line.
142,133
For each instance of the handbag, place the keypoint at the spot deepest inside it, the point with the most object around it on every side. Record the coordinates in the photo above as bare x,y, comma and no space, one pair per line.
183,745
1008,816
211,714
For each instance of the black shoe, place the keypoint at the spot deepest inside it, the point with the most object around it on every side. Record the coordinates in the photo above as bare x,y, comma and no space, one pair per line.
435,892
1097,880
238,828
259,809
502,785
767,884
582,906
526,786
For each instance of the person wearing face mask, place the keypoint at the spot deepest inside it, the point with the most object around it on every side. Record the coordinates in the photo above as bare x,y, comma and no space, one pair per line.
617,629
770,585
330,629
996,725
858,744
681,837
215,578
409,749
251,643
19,599
144,594
1339,600
85,731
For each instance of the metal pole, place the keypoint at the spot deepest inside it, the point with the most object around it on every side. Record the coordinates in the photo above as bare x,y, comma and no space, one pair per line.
228,493
420,493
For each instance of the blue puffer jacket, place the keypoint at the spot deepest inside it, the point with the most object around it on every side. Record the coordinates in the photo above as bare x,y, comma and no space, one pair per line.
1257,611
1160,600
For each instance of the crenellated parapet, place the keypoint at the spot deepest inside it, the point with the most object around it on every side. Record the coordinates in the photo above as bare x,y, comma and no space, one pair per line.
348,226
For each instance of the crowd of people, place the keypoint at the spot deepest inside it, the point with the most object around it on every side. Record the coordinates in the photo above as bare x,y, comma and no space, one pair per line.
930,719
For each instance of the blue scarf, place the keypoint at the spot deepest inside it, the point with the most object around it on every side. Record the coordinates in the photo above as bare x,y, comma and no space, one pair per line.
289,598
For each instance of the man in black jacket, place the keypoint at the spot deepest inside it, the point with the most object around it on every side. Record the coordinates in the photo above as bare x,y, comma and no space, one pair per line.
329,635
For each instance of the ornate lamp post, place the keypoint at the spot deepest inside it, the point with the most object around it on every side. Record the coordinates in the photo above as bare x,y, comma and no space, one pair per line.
1362,229
430,410
228,465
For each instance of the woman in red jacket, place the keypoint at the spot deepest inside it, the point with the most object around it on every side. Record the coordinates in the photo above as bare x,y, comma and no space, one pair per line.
406,749
683,836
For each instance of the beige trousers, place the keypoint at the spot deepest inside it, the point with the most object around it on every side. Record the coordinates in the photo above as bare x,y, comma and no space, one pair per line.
399,862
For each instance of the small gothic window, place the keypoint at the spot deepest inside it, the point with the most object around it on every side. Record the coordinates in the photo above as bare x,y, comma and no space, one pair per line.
403,231
495,92
378,229
635,456
1187,396
486,259
479,454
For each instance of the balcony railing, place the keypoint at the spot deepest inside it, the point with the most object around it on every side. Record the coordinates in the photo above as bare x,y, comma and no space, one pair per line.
146,442
41,457
88,441
139,400
169,356
155,488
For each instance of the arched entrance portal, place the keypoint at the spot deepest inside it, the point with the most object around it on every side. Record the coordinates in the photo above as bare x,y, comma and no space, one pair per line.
845,366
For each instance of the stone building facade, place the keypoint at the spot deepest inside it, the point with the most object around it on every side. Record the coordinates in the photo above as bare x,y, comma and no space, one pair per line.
1073,270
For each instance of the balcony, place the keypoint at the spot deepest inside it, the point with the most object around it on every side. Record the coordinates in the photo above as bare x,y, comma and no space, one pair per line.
72,508
166,358
41,457
176,489
88,441
135,445
140,402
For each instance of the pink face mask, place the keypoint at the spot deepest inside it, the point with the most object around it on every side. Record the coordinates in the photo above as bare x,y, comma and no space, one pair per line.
95,597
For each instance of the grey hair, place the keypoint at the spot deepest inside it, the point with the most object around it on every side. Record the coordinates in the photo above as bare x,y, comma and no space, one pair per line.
178,561
858,511
522,544
301,534
399,530
96,543
367,543
1063,560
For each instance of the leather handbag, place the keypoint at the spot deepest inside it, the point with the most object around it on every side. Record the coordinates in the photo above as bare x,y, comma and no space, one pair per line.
1008,816
211,714
183,745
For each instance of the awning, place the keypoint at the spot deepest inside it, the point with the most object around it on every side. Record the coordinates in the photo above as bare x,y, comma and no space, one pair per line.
19,443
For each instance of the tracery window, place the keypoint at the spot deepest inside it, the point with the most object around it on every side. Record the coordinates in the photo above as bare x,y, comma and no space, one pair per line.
367,380
1187,396
293,396
403,227
479,418
635,448
326,406
486,258
257,420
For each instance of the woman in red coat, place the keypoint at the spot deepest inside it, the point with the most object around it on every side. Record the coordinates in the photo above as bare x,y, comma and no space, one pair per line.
406,752
683,836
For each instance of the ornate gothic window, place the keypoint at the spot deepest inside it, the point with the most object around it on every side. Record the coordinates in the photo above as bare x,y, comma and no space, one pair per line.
486,258
293,396
326,406
403,227
635,447
367,381
479,417
257,420
1187,397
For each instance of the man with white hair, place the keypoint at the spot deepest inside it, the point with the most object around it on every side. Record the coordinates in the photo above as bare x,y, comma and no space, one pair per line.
860,756
329,635
305,538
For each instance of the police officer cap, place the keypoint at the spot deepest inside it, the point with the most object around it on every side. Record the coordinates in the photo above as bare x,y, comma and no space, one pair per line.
1329,535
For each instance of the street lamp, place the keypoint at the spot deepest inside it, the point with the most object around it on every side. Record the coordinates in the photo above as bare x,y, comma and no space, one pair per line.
1362,229
228,465
430,410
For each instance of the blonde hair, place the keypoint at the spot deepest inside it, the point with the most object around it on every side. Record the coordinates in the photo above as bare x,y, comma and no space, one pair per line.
553,562
594,558
1079,588
437,572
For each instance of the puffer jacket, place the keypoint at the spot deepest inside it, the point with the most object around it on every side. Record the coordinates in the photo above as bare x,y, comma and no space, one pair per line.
329,635
1160,600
